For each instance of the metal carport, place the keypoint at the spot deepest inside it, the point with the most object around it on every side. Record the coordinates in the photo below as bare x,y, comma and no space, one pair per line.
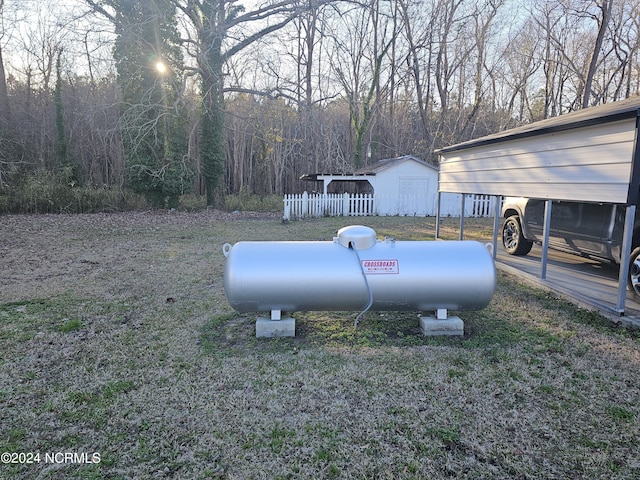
592,155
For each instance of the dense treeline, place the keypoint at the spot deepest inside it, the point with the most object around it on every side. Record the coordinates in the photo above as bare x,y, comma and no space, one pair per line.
165,97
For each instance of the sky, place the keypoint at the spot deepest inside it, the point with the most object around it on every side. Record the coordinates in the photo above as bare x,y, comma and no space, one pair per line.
33,31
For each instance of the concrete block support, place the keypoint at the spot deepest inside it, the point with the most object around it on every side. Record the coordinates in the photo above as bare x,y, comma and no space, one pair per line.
433,326
267,328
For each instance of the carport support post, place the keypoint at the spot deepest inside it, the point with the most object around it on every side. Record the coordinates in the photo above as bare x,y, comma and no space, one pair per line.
545,240
625,253
438,215
496,223
461,237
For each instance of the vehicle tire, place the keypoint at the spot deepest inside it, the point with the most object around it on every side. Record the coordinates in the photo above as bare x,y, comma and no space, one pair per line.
512,239
633,279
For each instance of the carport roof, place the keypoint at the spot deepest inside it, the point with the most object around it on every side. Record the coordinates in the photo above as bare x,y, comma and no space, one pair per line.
591,155
609,112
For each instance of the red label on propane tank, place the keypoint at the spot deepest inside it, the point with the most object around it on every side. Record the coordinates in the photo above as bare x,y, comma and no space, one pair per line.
377,267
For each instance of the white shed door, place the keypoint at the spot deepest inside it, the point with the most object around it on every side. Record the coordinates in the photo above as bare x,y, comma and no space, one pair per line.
413,196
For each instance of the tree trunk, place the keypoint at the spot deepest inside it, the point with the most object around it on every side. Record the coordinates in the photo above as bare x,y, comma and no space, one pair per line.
5,110
593,64
212,152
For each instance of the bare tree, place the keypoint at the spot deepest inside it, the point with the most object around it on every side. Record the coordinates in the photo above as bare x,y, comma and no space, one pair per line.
223,29
613,75
362,40
243,149
483,19
520,63
5,110
627,49
602,19
419,37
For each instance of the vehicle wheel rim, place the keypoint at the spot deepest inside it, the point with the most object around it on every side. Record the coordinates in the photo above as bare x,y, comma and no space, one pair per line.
510,235
634,275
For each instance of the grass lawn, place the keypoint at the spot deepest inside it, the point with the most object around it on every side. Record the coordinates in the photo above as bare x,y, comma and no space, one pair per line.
120,358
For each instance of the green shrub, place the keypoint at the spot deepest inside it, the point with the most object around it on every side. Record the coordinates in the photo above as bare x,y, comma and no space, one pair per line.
42,192
253,203
193,202
162,185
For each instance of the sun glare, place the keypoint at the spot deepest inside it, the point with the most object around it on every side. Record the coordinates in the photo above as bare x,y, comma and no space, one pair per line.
161,67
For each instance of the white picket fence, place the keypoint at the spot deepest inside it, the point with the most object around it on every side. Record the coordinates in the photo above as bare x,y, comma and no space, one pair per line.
331,205
297,206
480,206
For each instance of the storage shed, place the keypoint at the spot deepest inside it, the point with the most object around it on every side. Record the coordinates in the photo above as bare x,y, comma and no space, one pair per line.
592,155
404,185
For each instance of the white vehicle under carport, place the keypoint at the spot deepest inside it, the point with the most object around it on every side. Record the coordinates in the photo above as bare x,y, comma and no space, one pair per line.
592,230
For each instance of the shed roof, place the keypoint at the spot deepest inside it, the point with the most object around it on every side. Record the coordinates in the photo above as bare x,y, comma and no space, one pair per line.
390,162
367,170
609,112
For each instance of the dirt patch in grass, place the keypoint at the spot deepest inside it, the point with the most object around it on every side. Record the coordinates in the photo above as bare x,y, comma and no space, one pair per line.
116,339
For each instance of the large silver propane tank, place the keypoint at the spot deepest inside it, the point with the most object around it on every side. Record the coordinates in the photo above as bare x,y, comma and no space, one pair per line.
355,271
